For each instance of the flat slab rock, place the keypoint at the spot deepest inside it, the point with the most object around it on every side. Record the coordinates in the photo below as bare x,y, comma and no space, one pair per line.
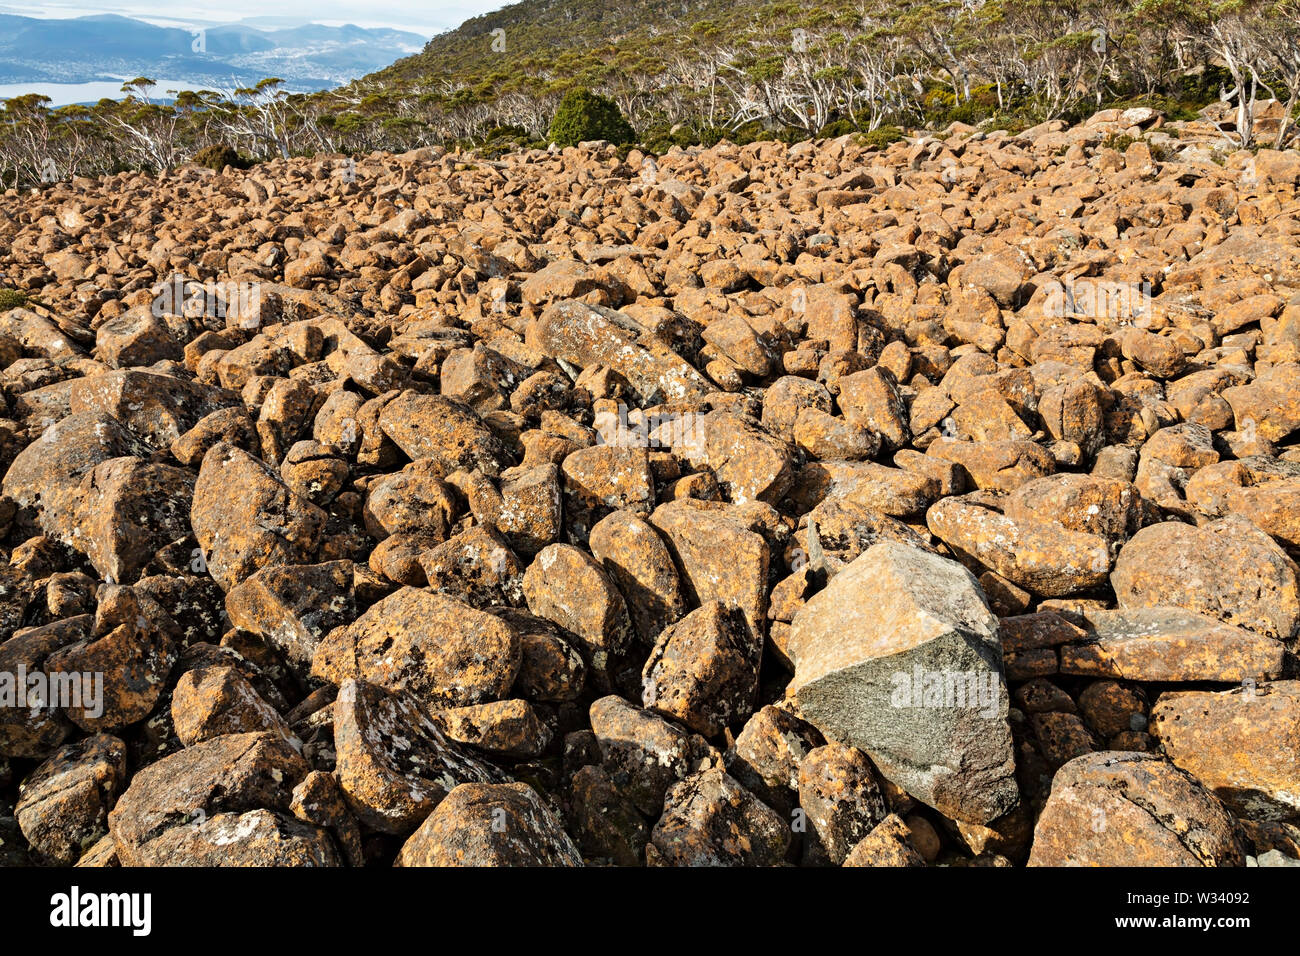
1170,644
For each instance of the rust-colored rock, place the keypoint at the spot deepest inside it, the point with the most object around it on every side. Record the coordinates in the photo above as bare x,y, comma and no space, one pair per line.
1130,809
1175,564
245,518
703,670
481,824
1243,744
394,764
440,650
711,820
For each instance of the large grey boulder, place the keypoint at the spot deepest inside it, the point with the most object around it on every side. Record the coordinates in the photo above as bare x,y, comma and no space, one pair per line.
900,657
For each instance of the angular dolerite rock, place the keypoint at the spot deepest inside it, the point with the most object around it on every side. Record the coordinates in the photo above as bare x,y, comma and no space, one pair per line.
1132,809
63,805
293,608
45,478
393,763
711,820
476,566
996,465
565,584
841,798
245,518
703,670
507,728
643,753
750,464
227,775
484,824
158,408
767,753
26,729
839,530
892,491
1039,555
211,701
130,509
437,427
584,335
133,645
258,838
1087,504
605,478
720,558
319,800
412,501
441,650
1243,744
604,823
871,399
888,844
1229,570
638,560
527,509
899,656
550,667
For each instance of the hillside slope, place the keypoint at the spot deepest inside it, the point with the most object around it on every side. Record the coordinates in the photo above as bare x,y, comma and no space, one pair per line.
550,35
794,69
701,71
572,481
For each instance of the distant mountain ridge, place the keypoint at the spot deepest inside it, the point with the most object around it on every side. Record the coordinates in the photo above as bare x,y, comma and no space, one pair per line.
90,48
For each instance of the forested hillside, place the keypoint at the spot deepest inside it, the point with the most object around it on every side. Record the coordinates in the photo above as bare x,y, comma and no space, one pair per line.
693,72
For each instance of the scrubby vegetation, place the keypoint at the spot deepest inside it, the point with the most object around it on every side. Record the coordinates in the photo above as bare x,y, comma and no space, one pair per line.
12,299
698,71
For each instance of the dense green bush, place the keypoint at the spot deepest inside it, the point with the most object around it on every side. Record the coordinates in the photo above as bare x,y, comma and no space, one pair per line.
660,139
218,157
583,115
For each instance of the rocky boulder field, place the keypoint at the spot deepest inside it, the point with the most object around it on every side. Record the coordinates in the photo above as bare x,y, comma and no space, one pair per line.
814,505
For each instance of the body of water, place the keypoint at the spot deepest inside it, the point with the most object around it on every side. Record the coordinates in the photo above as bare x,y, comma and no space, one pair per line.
64,94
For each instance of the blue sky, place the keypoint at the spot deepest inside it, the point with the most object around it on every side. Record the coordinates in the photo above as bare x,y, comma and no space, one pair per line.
419,16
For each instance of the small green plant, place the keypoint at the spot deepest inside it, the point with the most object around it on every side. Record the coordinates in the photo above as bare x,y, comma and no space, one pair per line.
218,156
1120,142
583,115
881,137
12,299
504,139
1163,153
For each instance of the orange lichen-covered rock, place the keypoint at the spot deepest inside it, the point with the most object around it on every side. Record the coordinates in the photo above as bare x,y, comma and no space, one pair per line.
1130,809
